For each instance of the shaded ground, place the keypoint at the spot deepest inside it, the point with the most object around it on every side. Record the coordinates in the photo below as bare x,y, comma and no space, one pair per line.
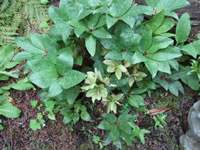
56,136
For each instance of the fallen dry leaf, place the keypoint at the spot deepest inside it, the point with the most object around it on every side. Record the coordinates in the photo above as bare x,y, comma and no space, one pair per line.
156,111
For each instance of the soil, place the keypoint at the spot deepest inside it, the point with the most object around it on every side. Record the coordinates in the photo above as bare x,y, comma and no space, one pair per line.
56,136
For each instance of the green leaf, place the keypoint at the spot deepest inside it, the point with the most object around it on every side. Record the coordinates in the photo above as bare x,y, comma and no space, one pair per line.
175,87
40,64
44,24
66,30
167,24
40,41
101,22
110,118
85,116
196,45
156,21
101,33
174,64
114,55
90,43
146,41
51,116
190,50
34,125
27,45
104,125
43,79
67,118
10,65
163,83
114,133
72,94
22,85
119,7
170,5
155,66
8,110
54,89
123,120
136,101
49,105
14,74
138,57
159,42
34,103
1,127
71,78
72,9
166,54
152,67
92,21
79,25
131,16
142,134
110,44
183,28
91,3
110,21
152,3
64,61
22,56
58,15
75,118
6,54
163,66
140,9
191,80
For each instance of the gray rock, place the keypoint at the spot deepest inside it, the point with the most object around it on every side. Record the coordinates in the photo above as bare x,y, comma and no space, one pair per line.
191,140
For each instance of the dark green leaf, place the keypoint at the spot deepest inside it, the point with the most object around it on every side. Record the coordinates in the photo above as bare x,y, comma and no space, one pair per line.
115,55
175,87
110,21
146,41
167,24
120,7
166,54
72,94
71,78
156,21
110,118
101,33
159,42
114,133
170,5
190,50
104,125
136,101
85,116
92,21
